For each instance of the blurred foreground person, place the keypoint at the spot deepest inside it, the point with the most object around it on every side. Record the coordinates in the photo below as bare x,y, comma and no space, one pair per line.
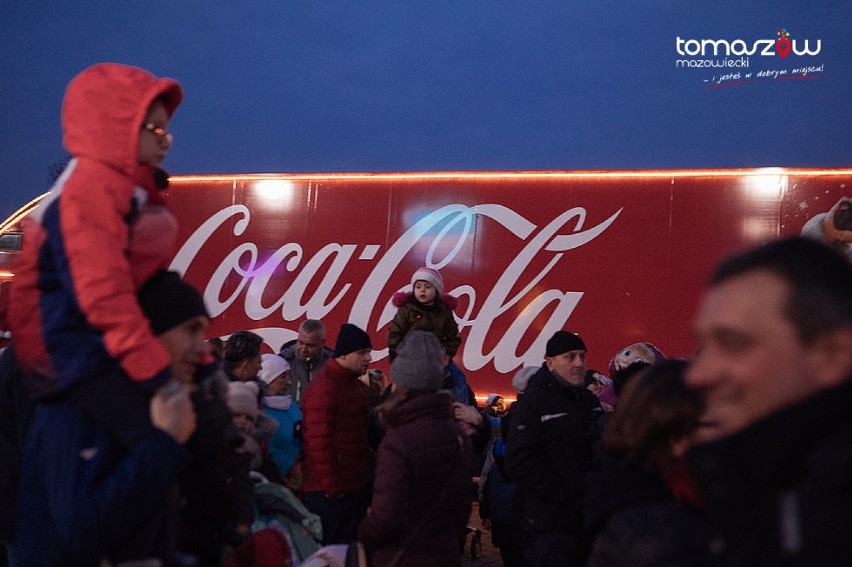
641,507
775,367
421,500
86,498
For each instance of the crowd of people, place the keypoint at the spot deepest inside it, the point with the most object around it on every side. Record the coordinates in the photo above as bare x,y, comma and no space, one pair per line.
132,438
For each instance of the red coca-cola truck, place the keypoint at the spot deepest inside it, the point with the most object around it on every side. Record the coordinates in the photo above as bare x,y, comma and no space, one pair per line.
618,257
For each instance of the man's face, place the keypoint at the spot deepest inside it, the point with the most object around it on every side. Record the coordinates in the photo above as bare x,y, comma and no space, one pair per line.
309,345
248,368
570,366
751,362
186,346
356,362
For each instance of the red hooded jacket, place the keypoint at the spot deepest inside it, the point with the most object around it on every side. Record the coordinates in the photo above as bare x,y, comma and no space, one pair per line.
91,244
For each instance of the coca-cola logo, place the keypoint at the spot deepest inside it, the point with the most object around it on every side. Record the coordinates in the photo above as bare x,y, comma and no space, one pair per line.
316,288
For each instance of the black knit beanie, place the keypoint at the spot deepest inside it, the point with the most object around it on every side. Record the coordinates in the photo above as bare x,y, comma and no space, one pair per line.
350,339
563,341
167,301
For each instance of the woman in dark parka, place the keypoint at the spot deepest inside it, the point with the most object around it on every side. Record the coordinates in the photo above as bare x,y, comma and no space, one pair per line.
421,501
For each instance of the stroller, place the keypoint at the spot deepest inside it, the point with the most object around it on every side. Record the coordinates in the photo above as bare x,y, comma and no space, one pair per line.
279,509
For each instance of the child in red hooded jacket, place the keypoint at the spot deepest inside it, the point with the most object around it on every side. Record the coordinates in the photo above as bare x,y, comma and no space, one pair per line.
88,247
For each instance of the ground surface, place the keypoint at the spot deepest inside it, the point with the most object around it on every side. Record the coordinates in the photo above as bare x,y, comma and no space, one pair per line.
490,556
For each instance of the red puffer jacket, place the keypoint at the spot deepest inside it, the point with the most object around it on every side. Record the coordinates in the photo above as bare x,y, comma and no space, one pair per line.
334,433
91,244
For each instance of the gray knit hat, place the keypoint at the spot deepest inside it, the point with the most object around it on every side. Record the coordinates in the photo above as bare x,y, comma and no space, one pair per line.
419,363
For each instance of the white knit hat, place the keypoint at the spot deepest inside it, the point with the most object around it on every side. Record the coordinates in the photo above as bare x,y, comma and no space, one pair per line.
431,276
271,367
242,398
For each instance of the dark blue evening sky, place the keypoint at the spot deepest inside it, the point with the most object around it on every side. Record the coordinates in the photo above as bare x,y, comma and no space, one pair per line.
287,86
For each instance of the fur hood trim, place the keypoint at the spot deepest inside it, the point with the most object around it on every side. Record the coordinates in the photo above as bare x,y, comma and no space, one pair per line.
401,297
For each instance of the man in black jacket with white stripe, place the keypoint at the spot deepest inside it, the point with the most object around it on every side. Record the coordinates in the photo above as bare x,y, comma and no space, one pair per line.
553,427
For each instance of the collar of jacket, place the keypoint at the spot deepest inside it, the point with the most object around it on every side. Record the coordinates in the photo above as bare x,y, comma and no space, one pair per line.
282,403
554,384
288,352
337,372
769,455
432,405
400,298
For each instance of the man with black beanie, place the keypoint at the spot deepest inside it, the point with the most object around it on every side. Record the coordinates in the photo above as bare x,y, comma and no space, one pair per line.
338,464
549,452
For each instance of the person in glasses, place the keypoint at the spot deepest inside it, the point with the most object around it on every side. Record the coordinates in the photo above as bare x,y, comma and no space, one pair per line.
89,246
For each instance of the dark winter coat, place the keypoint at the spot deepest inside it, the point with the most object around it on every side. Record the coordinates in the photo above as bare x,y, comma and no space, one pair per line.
106,502
215,485
91,245
422,496
634,520
334,433
549,451
302,371
498,496
437,318
780,491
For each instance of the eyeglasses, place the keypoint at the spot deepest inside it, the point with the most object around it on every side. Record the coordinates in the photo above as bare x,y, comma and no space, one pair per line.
160,133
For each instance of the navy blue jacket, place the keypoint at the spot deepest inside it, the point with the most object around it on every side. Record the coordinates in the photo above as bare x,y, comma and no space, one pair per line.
85,497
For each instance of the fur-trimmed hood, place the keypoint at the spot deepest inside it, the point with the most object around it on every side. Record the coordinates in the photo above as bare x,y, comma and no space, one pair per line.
400,298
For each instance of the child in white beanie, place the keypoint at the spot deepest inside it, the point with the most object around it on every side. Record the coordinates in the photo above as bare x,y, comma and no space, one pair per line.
425,308
286,445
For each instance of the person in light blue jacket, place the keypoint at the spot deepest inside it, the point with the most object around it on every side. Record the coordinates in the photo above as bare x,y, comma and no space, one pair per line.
286,444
